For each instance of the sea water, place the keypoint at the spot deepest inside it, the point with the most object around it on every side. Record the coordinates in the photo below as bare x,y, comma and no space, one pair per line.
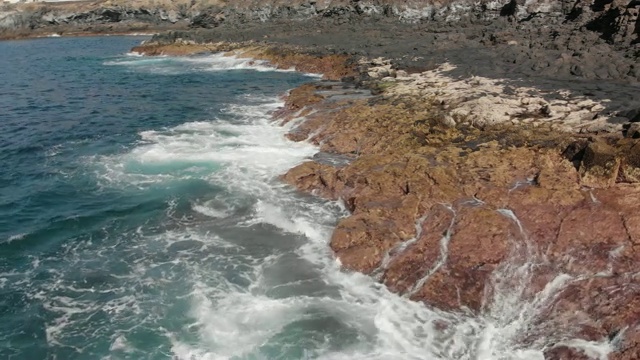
142,217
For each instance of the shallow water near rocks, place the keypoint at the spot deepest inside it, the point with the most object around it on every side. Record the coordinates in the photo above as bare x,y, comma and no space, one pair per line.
141,217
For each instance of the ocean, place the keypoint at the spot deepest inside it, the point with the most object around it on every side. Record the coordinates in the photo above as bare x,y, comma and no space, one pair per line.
142,217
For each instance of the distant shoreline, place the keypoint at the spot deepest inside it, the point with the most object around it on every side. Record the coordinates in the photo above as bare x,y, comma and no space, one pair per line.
73,34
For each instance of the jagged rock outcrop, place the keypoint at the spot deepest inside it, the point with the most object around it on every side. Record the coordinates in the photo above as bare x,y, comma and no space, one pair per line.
524,225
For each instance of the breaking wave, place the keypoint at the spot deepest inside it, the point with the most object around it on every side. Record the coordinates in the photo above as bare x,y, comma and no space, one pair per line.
198,251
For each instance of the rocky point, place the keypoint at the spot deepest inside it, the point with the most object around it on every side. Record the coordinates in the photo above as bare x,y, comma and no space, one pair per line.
488,152
453,213
483,195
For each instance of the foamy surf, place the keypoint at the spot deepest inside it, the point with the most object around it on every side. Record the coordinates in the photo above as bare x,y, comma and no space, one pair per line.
175,65
209,211
250,147
16,237
183,243
251,320
387,325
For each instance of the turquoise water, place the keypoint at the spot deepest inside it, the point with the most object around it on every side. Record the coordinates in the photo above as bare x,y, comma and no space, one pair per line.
141,217
130,205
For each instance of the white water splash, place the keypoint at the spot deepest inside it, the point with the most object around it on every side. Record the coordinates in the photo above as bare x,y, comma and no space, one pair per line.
176,65
444,253
399,249
16,237
261,297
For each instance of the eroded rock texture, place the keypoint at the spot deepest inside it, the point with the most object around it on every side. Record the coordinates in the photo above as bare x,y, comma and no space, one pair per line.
508,221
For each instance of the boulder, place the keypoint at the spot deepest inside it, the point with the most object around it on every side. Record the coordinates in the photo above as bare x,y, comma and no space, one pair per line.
633,131
600,165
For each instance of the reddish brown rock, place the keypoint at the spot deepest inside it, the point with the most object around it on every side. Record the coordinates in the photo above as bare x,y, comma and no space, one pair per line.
297,99
374,231
591,231
465,267
313,177
565,353
485,202
407,267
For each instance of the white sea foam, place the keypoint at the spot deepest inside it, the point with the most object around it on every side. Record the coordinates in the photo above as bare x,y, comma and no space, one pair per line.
16,237
54,150
209,211
235,324
244,297
120,344
250,151
175,65
72,304
134,54
222,62
137,34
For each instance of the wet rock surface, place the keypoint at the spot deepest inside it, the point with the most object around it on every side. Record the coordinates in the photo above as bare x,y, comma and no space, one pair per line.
488,152
455,216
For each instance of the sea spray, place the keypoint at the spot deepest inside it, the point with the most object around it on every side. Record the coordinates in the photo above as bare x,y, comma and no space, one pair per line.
388,326
162,230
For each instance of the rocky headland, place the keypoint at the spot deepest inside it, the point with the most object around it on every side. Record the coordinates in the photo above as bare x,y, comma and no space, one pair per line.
488,152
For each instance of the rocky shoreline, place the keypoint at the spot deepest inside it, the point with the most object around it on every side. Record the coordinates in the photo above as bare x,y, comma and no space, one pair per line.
488,152
513,39
455,216
464,190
